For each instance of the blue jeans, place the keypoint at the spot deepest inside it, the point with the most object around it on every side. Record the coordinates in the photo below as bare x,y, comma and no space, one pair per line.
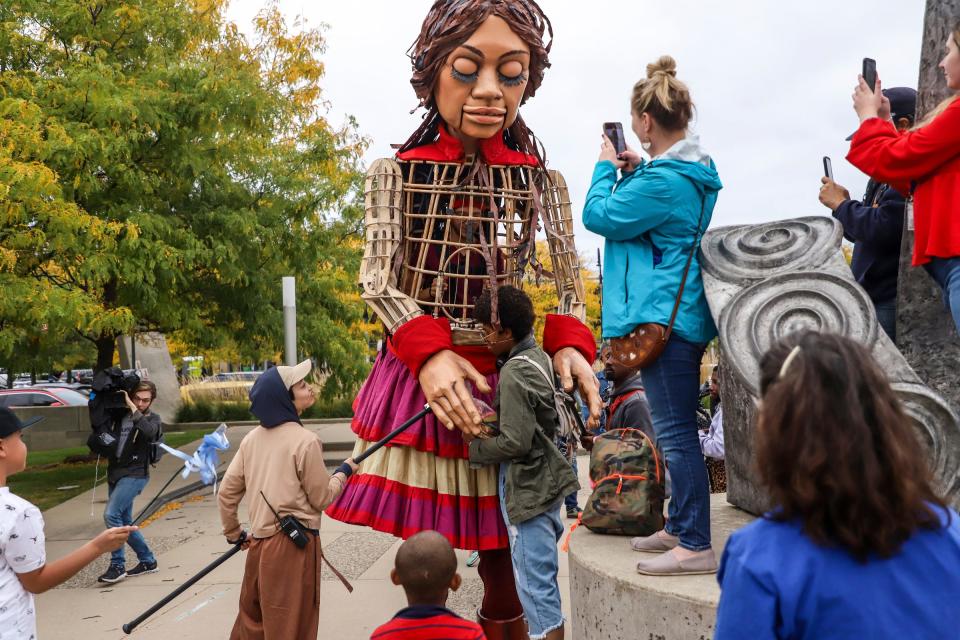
673,384
887,317
946,272
533,549
119,513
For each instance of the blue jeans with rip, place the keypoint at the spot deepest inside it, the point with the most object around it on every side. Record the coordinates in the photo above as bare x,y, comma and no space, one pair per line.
672,384
946,272
536,564
119,513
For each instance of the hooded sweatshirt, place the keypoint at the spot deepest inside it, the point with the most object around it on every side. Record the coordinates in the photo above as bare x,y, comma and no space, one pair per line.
270,400
632,411
280,458
649,219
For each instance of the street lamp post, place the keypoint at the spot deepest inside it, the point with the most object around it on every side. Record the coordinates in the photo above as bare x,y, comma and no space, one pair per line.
289,321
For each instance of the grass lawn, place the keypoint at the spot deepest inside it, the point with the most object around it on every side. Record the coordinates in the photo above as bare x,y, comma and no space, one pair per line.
46,471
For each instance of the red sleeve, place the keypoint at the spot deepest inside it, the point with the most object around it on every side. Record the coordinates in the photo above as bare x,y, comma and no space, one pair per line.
887,156
561,331
418,339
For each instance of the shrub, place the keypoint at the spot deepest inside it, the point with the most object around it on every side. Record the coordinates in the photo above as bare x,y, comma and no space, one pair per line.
207,411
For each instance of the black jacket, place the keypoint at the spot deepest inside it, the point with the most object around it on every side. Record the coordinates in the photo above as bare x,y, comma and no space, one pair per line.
630,407
133,457
875,226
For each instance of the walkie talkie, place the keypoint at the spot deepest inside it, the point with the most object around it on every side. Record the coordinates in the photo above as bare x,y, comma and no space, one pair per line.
292,527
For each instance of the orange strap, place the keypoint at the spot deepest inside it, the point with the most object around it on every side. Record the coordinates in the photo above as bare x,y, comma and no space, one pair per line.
621,477
565,547
612,409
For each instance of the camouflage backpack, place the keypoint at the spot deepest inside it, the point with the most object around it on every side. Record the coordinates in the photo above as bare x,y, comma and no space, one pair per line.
627,477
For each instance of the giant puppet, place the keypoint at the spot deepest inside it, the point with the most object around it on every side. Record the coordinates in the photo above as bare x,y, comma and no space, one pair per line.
456,211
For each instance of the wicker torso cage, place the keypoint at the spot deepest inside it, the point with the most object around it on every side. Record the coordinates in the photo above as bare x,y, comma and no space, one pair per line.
437,234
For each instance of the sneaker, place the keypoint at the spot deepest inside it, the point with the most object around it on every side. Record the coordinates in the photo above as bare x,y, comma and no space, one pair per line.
115,573
142,569
473,559
574,512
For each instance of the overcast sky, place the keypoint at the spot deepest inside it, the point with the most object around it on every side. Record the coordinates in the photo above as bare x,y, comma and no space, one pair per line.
771,79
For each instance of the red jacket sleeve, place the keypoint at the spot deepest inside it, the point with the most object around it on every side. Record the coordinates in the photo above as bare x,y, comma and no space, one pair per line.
418,339
561,331
887,156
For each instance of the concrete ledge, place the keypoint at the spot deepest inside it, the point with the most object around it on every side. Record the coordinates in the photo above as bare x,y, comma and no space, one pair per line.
61,427
610,600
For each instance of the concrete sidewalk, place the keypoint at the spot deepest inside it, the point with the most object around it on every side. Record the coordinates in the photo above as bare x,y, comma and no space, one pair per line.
187,537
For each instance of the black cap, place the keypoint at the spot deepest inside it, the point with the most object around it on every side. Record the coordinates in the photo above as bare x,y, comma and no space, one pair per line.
10,423
903,104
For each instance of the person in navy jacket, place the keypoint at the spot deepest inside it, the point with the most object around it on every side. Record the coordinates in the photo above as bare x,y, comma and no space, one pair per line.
875,224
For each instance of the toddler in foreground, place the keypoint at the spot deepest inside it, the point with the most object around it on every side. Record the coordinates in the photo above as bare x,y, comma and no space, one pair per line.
426,568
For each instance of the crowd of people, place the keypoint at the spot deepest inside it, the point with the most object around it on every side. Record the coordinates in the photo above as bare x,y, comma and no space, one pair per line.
858,533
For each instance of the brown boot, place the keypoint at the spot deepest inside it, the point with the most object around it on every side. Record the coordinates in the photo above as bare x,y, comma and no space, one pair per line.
513,629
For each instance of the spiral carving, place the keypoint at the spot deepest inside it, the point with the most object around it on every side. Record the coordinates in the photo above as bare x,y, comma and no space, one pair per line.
749,253
938,431
760,315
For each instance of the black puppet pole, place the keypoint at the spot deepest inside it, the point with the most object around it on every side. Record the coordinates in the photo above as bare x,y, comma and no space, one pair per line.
133,624
393,434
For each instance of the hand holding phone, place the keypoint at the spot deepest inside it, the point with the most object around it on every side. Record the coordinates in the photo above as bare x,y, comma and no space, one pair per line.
614,131
870,73
827,167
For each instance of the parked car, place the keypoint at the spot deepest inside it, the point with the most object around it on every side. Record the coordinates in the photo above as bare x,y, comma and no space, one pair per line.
22,380
83,389
42,397
83,376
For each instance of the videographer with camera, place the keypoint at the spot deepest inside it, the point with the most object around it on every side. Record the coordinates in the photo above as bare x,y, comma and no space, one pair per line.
280,465
128,473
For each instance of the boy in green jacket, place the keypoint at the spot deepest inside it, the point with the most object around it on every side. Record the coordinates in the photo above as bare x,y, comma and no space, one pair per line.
534,475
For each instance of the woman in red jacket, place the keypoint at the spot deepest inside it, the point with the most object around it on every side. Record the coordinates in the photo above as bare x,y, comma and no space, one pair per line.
925,162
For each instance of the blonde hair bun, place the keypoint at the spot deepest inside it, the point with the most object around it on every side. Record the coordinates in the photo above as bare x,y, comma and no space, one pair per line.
665,65
663,96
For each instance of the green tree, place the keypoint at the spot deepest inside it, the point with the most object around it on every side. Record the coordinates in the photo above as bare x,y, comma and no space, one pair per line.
159,170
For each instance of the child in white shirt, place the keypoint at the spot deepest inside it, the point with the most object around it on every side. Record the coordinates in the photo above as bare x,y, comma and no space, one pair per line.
23,561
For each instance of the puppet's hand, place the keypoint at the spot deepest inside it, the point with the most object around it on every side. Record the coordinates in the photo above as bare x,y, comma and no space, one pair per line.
443,379
569,364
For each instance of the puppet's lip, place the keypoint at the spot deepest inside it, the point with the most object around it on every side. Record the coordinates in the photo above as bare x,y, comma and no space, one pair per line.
485,111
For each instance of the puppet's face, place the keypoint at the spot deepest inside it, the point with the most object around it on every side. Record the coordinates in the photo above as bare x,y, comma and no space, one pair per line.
480,87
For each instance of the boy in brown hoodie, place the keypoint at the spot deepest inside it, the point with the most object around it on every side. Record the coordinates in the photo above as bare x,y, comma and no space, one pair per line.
280,465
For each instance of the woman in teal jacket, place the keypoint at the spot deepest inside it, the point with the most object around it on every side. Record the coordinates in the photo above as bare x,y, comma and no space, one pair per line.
651,218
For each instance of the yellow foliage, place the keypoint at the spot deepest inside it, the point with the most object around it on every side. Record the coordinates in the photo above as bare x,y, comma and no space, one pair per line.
544,293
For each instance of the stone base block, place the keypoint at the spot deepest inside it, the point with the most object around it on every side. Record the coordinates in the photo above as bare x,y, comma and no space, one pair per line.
611,601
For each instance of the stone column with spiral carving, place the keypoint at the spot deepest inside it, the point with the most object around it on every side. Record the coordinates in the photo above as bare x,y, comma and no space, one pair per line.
766,281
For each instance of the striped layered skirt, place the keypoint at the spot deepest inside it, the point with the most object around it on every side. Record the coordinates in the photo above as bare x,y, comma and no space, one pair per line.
422,479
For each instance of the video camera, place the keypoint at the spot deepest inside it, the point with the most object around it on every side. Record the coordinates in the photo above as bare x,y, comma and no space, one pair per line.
108,387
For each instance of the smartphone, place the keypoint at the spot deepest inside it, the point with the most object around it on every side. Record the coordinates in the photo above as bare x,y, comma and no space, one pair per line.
614,131
827,167
870,73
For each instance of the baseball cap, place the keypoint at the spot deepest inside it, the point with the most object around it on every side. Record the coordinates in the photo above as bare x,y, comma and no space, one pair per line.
296,373
10,423
903,104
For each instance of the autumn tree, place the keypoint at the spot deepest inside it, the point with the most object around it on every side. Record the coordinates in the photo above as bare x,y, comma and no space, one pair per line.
543,291
160,171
